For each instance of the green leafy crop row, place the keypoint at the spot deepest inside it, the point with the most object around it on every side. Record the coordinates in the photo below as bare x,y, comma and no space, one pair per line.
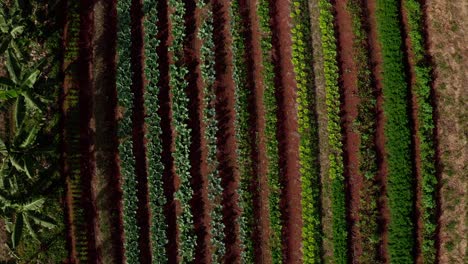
366,126
397,133
209,118
422,92
242,134
182,138
334,131
270,103
157,199
125,99
308,149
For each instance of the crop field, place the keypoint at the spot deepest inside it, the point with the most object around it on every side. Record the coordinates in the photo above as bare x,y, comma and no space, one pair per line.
248,131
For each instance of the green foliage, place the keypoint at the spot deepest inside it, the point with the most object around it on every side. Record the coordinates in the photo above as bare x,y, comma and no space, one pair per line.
334,131
125,99
154,146
270,103
308,149
182,138
397,132
28,171
242,134
422,92
209,118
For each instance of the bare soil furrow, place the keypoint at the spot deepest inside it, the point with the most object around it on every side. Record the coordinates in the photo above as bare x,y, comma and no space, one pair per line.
226,139
259,184
87,129
109,190
349,108
139,130
167,136
376,59
287,134
198,148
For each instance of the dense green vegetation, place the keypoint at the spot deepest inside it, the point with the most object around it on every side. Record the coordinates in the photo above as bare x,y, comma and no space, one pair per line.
209,118
422,91
242,134
366,126
157,199
334,131
29,162
182,138
271,106
397,133
307,121
125,102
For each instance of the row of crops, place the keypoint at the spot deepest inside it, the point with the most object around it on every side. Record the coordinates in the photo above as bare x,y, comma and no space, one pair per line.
157,133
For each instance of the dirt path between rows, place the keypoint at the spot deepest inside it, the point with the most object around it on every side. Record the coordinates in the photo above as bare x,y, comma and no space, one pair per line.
87,130
67,41
288,137
198,149
109,190
226,139
376,59
139,131
349,108
259,184
167,136
416,141
446,38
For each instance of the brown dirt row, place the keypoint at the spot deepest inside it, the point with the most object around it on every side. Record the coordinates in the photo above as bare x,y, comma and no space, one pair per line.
64,169
349,111
446,39
288,137
109,191
198,149
139,131
226,138
376,59
259,185
416,142
86,102
167,136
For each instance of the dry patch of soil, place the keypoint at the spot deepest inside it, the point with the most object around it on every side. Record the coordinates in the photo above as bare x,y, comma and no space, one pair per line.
447,28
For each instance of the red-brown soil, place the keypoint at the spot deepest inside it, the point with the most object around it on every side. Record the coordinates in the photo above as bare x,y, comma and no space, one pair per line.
259,185
198,149
288,137
416,152
167,136
109,195
87,161
376,59
349,109
226,137
139,131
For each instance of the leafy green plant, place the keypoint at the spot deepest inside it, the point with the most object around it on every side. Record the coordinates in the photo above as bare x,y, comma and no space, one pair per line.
334,131
397,133
308,149
242,134
215,189
366,126
125,98
421,89
270,104
178,72
154,146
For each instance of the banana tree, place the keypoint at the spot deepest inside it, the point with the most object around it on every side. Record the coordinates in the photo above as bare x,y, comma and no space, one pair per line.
27,215
19,86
